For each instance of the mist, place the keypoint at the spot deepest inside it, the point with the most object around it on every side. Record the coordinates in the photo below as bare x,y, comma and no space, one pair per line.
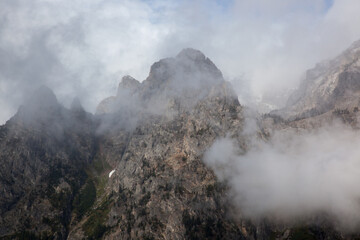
294,176
174,85
83,48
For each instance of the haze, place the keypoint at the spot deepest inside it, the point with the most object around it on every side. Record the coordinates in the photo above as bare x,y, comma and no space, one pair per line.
83,48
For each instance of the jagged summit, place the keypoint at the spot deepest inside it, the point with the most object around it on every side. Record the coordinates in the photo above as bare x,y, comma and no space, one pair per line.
128,83
355,45
192,54
190,68
40,107
329,85
76,105
184,79
198,59
43,97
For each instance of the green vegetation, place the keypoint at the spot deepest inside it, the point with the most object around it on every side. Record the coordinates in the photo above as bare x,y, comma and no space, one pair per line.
100,183
60,200
93,188
95,227
99,165
93,192
302,234
85,199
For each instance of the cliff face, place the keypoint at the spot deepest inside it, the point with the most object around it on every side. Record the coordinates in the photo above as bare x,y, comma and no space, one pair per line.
331,85
159,187
44,149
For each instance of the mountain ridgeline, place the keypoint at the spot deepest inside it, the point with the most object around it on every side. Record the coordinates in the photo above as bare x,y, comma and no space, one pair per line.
135,169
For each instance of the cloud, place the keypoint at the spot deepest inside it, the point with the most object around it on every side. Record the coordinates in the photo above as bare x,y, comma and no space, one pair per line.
83,48
294,175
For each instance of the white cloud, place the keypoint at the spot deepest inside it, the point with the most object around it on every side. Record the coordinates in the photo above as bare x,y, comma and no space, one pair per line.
294,175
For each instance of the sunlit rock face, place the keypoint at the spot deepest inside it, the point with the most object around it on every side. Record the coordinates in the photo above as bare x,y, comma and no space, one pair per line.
333,84
160,187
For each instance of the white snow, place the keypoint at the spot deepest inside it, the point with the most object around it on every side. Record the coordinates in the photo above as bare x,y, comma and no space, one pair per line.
111,173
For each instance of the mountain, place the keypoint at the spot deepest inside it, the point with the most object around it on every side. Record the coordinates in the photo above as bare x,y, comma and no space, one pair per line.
57,162
330,85
135,169
44,151
159,187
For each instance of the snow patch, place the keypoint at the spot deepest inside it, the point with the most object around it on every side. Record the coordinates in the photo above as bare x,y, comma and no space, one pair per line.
111,173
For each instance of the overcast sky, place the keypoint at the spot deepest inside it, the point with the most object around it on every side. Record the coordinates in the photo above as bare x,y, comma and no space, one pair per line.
83,47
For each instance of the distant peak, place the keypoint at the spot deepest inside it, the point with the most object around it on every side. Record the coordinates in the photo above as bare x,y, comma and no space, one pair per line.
355,45
42,97
129,83
41,106
76,105
192,54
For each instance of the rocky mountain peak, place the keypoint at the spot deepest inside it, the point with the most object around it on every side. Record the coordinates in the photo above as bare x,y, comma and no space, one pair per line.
43,97
188,69
184,80
130,83
329,85
192,54
76,105
355,45
40,107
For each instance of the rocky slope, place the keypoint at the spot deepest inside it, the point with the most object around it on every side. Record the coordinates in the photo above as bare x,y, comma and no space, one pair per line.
331,85
329,94
44,149
160,188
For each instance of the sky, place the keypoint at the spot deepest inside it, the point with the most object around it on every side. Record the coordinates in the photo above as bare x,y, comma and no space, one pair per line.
82,48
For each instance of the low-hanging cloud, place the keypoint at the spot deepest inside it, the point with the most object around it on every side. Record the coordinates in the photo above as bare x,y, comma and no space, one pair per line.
294,175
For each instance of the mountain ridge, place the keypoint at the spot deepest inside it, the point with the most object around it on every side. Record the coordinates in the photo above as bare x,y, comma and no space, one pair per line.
151,137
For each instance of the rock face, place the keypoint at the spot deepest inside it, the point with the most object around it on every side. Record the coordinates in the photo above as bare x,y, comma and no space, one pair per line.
330,85
44,151
159,187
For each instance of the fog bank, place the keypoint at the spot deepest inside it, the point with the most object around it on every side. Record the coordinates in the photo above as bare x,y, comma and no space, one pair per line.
294,175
